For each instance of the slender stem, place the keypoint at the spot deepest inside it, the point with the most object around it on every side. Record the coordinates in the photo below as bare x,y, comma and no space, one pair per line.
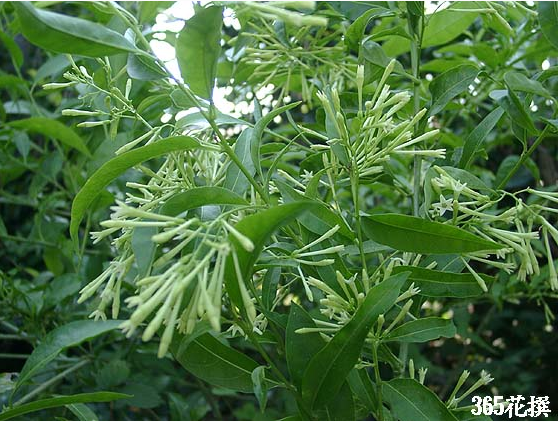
377,382
14,356
415,52
522,159
50,382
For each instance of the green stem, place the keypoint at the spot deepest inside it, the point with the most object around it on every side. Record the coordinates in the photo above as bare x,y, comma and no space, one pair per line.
377,382
50,382
522,159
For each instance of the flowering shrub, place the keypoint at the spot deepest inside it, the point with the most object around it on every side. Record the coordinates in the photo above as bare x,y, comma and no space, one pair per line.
316,243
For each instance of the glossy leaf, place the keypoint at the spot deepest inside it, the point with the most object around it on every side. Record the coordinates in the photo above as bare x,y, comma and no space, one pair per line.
355,31
414,234
442,27
52,129
198,49
476,138
300,348
434,283
235,179
450,84
548,18
258,228
411,401
422,330
35,406
66,34
329,368
514,108
117,166
198,197
61,338
362,386
517,81
341,409
212,361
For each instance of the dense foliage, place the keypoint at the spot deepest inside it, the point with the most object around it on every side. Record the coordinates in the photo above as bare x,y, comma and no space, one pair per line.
315,210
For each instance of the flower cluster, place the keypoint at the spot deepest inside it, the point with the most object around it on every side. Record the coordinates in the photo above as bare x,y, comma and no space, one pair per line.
382,132
515,227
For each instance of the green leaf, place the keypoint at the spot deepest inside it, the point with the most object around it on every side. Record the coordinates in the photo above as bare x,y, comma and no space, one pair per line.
422,330
442,27
61,288
270,287
449,84
355,31
102,396
117,166
258,228
259,386
13,49
341,409
212,361
61,338
548,19
519,82
434,283
52,129
82,412
362,386
198,197
476,138
66,34
414,234
510,102
411,401
300,348
329,368
235,179
148,10
198,49
257,132
320,219
143,248
374,54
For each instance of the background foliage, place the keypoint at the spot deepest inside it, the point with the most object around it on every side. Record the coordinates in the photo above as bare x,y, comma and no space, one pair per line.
487,73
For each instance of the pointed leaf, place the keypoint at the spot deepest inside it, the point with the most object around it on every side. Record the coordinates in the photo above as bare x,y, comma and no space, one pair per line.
411,401
198,50
449,84
235,179
102,396
434,283
258,228
476,138
66,34
329,368
59,339
212,361
414,234
198,197
52,129
117,166
422,330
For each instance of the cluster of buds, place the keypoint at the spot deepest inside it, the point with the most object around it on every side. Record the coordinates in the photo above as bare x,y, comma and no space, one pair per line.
288,58
516,228
339,307
382,134
453,400
184,283
117,103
